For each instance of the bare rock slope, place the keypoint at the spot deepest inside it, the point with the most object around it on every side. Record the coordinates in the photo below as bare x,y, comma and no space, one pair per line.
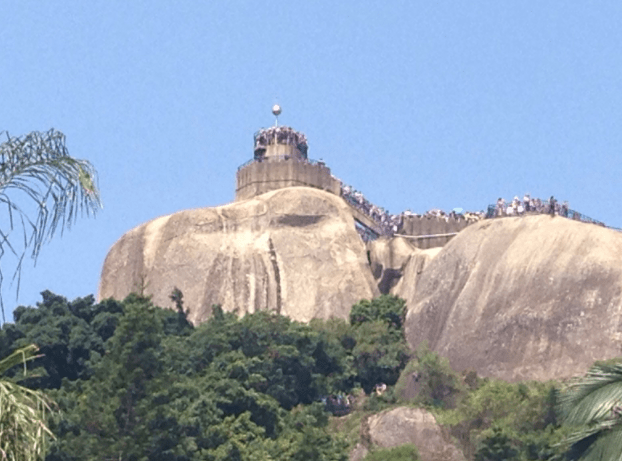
522,298
403,425
294,251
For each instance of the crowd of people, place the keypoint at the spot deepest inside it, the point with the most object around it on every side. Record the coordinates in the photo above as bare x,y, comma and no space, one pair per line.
456,214
280,135
392,223
338,405
388,222
529,204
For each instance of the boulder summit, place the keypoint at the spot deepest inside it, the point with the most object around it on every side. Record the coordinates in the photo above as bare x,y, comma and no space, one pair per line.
533,297
293,251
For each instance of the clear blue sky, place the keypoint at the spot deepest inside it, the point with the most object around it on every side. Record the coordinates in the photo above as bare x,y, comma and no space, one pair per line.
417,104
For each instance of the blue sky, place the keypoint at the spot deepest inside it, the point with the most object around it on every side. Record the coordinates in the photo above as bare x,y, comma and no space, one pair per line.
417,104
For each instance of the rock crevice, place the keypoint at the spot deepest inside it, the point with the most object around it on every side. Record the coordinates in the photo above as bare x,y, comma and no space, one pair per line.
277,276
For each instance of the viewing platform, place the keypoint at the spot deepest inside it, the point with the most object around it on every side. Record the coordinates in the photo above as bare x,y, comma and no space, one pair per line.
269,173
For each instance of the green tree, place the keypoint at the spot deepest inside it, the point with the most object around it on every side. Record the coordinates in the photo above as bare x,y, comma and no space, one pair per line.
498,445
110,419
23,414
593,405
218,393
44,190
439,385
386,308
379,351
70,336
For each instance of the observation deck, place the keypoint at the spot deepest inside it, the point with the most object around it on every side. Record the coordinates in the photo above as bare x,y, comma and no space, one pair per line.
280,142
280,160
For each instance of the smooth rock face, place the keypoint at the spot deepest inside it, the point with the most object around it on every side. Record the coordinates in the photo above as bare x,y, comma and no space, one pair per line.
530,297
412,425
293,251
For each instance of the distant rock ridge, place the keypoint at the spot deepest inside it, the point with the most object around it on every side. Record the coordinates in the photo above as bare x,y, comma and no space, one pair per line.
293,251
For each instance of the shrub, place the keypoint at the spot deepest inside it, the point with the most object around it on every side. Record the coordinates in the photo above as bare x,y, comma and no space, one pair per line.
407,452
437,383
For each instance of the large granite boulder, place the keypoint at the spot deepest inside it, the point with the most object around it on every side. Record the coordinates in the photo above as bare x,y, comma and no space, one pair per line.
294,251
403,425
533,297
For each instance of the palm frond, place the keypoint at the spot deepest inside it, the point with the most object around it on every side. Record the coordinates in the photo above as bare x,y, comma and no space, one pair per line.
23,414
593,405
594,396
44,190
603,446
18,356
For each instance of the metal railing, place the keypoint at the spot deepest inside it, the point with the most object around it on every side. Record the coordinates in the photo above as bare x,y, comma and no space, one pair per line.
282,158
545,208
423,237
366,233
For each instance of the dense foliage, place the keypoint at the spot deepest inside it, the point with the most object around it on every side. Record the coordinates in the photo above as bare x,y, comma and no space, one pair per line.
379,348
138,382
490,419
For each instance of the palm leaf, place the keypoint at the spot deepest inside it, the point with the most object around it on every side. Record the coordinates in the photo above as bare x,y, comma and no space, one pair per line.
592,404
18,356
604,446
44,191
592,397
23,413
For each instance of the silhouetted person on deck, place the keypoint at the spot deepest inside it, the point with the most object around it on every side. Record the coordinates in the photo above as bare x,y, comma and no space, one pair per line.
564,209
552,203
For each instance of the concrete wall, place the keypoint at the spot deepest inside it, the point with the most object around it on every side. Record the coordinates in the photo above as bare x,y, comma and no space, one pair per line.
283,150
260,177
429,225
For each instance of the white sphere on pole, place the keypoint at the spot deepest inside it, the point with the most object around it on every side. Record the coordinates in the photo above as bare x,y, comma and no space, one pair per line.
276,110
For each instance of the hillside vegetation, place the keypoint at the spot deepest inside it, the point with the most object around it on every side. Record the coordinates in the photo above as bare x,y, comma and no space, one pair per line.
137,382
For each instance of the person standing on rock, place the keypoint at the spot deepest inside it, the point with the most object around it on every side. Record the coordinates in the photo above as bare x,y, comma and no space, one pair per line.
526,200
552,203
500,207
515,204
564,209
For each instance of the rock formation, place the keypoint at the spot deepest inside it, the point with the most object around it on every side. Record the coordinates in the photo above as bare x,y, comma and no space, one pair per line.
395,260
293,251
406,286
534,297
403,425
